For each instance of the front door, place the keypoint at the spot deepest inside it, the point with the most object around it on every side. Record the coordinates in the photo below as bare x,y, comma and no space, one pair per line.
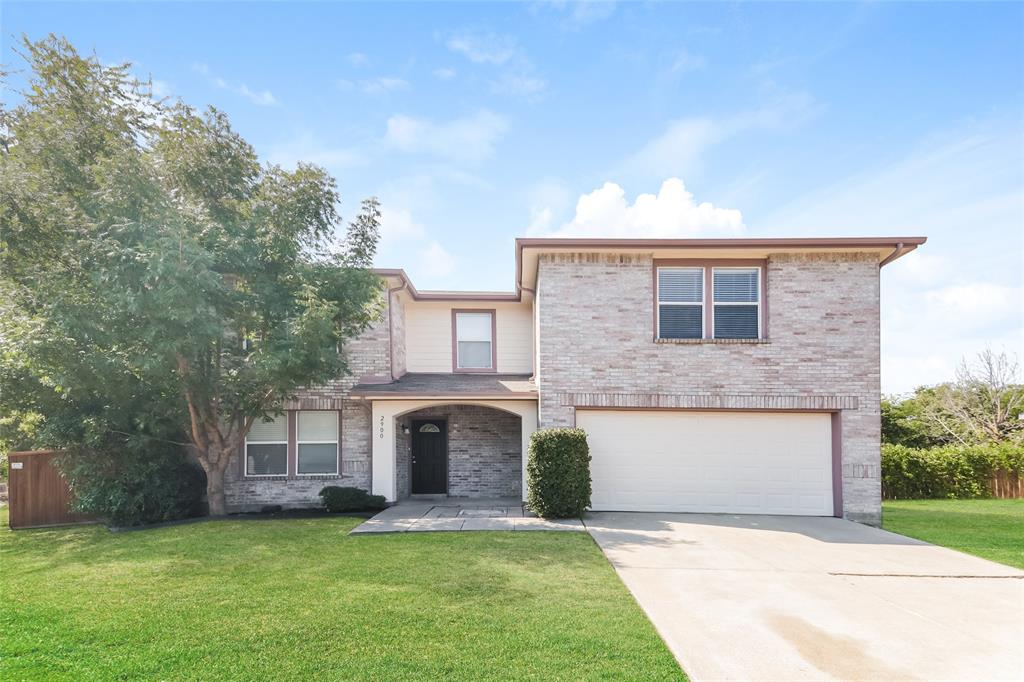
429,457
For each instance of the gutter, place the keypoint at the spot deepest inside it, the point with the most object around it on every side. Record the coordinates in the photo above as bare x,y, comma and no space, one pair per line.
896,253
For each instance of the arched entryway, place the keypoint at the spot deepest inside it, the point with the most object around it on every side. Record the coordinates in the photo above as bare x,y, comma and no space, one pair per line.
461,450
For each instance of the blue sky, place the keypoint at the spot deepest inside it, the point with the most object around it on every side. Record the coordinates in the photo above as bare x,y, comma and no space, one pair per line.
477,123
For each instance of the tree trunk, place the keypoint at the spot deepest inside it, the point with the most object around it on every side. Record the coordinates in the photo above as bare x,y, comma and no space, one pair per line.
215,490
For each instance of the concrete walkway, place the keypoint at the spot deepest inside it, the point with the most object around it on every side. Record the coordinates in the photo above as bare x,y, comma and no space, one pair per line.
453,514
796,598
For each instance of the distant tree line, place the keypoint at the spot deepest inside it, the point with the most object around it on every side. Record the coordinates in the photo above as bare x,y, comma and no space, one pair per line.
983,404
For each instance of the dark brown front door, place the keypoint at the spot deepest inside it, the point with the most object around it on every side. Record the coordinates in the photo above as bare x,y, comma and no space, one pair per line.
429,457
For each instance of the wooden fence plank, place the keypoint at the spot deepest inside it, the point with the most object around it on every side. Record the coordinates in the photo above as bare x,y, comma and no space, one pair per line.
38,495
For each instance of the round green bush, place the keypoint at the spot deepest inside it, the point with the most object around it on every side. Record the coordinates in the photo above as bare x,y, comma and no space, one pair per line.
344,499
558,473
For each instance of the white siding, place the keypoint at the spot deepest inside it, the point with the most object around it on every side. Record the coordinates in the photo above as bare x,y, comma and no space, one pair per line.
428,335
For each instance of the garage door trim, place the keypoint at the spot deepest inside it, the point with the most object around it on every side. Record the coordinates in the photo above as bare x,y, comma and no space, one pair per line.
836,426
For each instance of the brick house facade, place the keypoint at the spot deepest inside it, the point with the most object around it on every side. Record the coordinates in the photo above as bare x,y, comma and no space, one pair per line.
580,333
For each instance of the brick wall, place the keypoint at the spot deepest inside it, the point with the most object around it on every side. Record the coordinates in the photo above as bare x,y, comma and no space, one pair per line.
596,327
367,356
484,451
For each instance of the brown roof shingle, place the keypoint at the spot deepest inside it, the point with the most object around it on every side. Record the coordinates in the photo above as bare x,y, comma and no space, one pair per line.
416,385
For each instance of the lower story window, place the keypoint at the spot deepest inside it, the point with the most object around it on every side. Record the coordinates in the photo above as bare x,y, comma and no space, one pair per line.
317,443
266,448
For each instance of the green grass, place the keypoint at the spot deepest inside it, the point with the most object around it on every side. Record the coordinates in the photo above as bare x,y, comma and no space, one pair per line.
291,599
991,529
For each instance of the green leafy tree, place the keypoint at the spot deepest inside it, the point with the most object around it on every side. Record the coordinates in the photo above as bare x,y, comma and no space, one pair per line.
147,255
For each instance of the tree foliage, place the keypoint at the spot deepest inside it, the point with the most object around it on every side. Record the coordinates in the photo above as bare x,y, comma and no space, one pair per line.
151,264
983,405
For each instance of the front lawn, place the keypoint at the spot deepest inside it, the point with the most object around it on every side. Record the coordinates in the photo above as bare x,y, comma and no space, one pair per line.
991,529
291,599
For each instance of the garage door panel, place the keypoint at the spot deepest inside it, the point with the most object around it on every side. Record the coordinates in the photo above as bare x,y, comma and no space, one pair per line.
726,462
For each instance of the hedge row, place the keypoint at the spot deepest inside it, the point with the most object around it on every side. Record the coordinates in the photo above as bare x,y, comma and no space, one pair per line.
953,471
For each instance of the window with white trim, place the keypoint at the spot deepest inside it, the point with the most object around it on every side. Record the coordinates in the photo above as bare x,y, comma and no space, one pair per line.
266,447
680,303
736,308
317,443
474,345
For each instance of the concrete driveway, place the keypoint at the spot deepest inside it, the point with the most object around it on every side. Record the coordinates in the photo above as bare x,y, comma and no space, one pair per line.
791,598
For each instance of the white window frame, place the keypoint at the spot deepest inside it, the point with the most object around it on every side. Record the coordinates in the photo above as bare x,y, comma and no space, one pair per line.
760,295
492,314
658,302
299,442
284,442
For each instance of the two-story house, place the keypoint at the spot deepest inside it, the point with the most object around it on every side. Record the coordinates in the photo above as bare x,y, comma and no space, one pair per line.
711,375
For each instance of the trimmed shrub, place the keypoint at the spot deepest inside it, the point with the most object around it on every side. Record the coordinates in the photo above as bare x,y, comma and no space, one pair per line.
339,499
130,487
558,473
952,471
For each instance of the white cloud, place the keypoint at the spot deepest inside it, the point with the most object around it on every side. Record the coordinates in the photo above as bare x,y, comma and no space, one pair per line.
383,84
263,98
579,13
516,74
308,148
436,261
484,48
445,74
976,306
963,290
398,224
469,139
684,62
358,59
680,150
518,84
404,240
672,213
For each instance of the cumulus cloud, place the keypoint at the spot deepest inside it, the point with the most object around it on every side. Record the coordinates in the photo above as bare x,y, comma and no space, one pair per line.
469,139
672,213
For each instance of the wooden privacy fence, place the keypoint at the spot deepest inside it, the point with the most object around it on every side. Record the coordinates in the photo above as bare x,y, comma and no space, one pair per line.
1006,485
38,495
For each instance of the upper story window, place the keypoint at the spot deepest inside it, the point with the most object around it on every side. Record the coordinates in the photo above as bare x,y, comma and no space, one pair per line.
709,301
680,303
474,340
266,448
317,443
737,303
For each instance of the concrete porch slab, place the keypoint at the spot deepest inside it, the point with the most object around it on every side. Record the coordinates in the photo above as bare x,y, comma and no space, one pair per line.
461,515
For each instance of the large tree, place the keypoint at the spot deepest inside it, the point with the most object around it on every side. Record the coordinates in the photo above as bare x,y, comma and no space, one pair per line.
145,249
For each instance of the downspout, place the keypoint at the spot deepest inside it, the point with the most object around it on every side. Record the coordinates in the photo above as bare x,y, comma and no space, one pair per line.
897,252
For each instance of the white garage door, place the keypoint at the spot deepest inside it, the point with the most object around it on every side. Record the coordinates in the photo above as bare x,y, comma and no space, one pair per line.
714,462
